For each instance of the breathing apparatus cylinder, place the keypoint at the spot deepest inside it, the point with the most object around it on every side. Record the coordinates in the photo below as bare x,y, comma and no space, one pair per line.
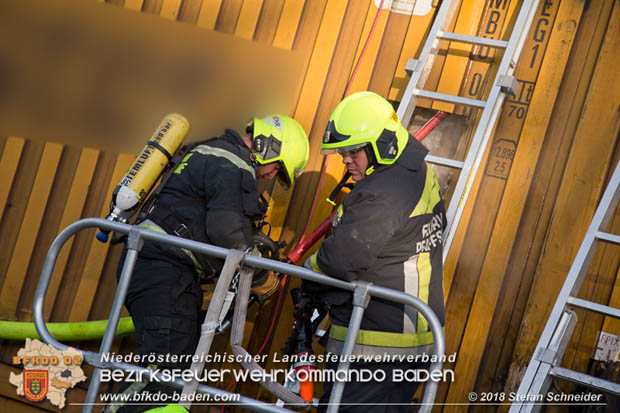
137,183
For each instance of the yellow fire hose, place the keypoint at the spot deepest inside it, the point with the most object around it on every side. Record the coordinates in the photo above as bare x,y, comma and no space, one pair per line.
80,331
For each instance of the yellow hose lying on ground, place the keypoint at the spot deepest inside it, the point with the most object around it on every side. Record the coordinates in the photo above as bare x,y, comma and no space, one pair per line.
81,331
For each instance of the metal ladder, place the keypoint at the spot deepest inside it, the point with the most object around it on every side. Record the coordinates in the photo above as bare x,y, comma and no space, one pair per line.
544,365
504,83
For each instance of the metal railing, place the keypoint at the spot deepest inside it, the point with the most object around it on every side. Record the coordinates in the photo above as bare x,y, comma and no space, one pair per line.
362,292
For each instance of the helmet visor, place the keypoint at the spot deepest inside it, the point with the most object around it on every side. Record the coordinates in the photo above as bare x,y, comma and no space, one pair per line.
282,176
343,150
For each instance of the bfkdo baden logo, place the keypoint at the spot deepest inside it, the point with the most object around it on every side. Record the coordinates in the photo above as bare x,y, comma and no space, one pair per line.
36,384
48,373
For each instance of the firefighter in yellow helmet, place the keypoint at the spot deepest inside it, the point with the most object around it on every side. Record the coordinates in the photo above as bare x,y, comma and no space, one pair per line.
210,197
389,232
282,141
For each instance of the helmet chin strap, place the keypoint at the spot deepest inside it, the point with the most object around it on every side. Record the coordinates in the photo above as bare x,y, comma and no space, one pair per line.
343,183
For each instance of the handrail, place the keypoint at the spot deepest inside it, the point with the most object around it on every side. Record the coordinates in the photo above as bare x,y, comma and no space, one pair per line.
136,237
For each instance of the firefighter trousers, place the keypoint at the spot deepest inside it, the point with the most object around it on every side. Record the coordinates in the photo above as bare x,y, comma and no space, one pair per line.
164,302
385,392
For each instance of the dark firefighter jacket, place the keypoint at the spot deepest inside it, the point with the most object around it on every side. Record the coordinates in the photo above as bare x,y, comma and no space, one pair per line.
210,197
389,233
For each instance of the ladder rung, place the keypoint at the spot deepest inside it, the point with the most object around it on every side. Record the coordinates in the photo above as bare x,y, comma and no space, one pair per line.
449,98
597,308
586,380
464,38
604,236
444,161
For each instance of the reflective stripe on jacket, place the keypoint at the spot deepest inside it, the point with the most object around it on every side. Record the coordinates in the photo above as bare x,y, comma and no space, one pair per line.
211,197
390,234
148,224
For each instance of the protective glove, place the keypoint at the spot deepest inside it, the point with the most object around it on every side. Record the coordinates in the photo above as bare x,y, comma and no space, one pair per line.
265,290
